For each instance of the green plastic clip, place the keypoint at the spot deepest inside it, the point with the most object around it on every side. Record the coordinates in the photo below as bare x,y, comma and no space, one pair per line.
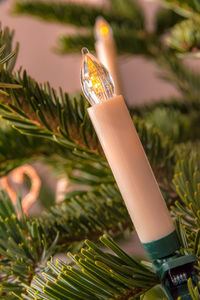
172,268
174,272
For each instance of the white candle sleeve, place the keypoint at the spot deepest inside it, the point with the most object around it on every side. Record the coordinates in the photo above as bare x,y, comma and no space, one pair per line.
132,170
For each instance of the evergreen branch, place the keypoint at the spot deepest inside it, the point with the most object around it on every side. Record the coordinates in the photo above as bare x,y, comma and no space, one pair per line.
184,78
127,41
86,214
99,275
26,244
129,8
16,149
178,126
40,111
186,8
186,209
166,19
185,37
22,247
194,290
182,105
73,43
6,49
7,57
78,15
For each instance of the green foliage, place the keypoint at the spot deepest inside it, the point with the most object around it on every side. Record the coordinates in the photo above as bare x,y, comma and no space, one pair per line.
183,77
82,15
86,214
16,149
172,123
127,41
165,19
186,8
185,37
99,275
22,247
7,57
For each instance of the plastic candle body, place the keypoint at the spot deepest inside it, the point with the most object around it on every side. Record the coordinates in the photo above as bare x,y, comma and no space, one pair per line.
131,169
106,50
128,161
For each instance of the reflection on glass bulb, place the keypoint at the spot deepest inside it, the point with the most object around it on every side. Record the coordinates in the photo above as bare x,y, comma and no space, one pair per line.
96,82
102,29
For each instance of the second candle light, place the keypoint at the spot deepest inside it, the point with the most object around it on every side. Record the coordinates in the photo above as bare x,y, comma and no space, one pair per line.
106,50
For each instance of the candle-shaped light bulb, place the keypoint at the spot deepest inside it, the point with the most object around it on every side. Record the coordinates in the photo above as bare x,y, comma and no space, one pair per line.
135,179
102,29
97,84
106,50
125,153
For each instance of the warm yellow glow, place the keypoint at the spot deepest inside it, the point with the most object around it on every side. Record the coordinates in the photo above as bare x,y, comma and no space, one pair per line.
93,73
96,81
102,29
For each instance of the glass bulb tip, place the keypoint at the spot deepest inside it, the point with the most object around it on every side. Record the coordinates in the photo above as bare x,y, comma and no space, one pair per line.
84,51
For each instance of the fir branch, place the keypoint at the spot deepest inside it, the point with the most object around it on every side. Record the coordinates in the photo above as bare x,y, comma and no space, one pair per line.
7,57
185,37
99,275
25,244
38,110
73,43
22,246
170,103
186,209
184,78
6,48
127,41
86,214
186,8
78,15
17,149
129,8
166,19
178,126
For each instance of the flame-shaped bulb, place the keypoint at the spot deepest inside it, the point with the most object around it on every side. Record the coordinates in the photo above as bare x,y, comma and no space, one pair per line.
96,82
102,29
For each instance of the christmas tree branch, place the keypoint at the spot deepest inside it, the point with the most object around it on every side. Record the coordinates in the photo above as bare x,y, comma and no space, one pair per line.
86,215
127,41
166,19
178,126
25,244
99,275
17,149
80,15
186,209
186,8
22,247
184,38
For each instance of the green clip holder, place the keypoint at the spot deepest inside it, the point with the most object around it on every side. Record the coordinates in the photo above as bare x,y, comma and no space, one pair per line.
172,268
